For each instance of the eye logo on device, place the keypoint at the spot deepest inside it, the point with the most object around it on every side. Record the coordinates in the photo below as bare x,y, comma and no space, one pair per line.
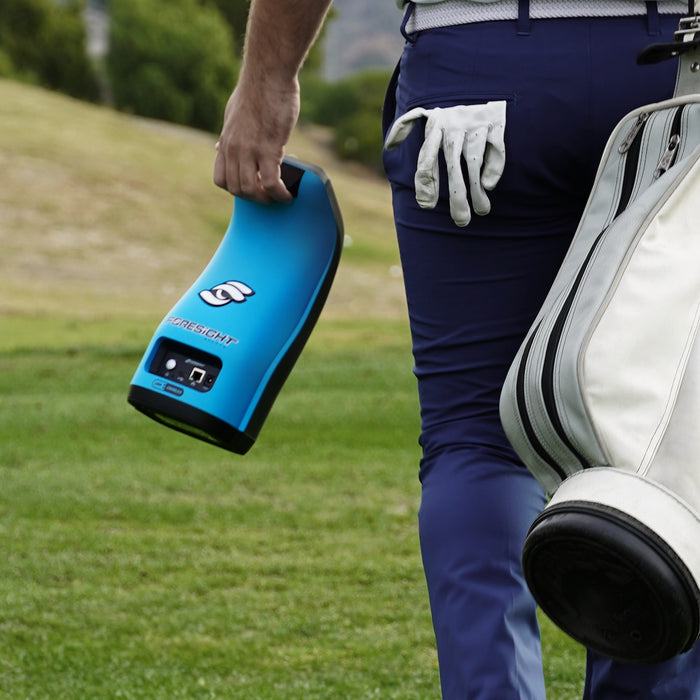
226,293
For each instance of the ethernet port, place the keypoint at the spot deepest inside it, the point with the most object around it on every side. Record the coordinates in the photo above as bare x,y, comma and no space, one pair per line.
197,375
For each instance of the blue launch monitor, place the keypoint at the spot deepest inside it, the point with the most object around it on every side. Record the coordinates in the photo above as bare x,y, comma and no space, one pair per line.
220,357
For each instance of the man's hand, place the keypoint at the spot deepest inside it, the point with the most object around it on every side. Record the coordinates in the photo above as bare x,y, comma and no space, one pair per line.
257,125
263,109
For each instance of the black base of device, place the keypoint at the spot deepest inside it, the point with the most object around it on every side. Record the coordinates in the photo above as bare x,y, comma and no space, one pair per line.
611,583
189,420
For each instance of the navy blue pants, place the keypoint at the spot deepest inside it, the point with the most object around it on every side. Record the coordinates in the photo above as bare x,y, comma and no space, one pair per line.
472,294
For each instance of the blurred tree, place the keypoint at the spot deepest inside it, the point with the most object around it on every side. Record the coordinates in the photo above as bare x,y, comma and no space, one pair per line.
353,108
235,12
44,42
171,60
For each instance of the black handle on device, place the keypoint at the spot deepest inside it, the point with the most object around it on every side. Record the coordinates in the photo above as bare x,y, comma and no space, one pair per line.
291,176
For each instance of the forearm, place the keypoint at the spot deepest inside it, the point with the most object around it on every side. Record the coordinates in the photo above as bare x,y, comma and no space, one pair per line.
278,37
263,109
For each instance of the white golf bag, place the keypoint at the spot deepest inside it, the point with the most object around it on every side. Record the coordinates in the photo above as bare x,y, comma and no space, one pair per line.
602,402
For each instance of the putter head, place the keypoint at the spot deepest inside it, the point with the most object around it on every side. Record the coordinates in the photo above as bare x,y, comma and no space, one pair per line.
219,358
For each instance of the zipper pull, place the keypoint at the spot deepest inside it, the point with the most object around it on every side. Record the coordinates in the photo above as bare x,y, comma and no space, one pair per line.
632,134
668,157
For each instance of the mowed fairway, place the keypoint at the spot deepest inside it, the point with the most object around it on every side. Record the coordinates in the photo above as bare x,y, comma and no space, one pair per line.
136,562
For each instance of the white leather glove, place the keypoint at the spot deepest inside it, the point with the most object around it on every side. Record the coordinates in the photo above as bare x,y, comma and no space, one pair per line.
473,131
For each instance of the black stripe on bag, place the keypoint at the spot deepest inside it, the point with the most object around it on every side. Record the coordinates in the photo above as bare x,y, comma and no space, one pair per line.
528,428
677,118
670,155
548,365
630,173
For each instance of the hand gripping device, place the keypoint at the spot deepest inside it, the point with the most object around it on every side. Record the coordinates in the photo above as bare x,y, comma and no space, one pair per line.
221,355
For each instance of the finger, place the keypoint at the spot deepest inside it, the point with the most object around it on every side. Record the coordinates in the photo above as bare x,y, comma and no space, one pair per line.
220,171
271,182
494,158
238,172
244,180
474,156
402,127
427,177
459,205
398,133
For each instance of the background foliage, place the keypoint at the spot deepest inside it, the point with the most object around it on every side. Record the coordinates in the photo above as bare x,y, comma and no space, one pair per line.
353,108
44,42
178,60
235,12
171,60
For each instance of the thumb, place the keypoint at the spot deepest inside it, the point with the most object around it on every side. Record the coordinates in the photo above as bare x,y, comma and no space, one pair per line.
402,127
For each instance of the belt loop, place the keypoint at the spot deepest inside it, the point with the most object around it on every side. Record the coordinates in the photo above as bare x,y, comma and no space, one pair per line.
523,17
409,12
653,23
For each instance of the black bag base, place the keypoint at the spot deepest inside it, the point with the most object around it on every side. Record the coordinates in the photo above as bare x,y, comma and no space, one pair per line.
611,583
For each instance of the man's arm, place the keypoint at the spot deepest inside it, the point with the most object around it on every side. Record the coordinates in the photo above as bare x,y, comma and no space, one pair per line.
263,109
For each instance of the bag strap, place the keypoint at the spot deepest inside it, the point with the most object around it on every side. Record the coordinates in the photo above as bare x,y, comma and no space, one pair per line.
688,75
686,47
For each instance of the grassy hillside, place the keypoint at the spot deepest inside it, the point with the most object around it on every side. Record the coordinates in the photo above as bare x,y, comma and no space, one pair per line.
102,213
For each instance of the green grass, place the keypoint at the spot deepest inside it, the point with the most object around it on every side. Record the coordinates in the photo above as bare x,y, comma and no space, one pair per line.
140,563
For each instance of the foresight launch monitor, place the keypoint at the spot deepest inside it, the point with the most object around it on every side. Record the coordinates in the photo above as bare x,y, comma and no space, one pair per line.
221,355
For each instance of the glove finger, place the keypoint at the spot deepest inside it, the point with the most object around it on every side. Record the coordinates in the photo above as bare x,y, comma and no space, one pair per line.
402,127
459,204
427,178
474,155
494,157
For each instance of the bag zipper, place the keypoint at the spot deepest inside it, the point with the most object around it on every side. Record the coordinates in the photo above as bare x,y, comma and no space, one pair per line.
632,133
669,156
521,403
548,364
631,147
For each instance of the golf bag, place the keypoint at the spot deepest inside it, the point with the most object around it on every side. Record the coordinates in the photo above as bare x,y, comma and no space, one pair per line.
602,401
